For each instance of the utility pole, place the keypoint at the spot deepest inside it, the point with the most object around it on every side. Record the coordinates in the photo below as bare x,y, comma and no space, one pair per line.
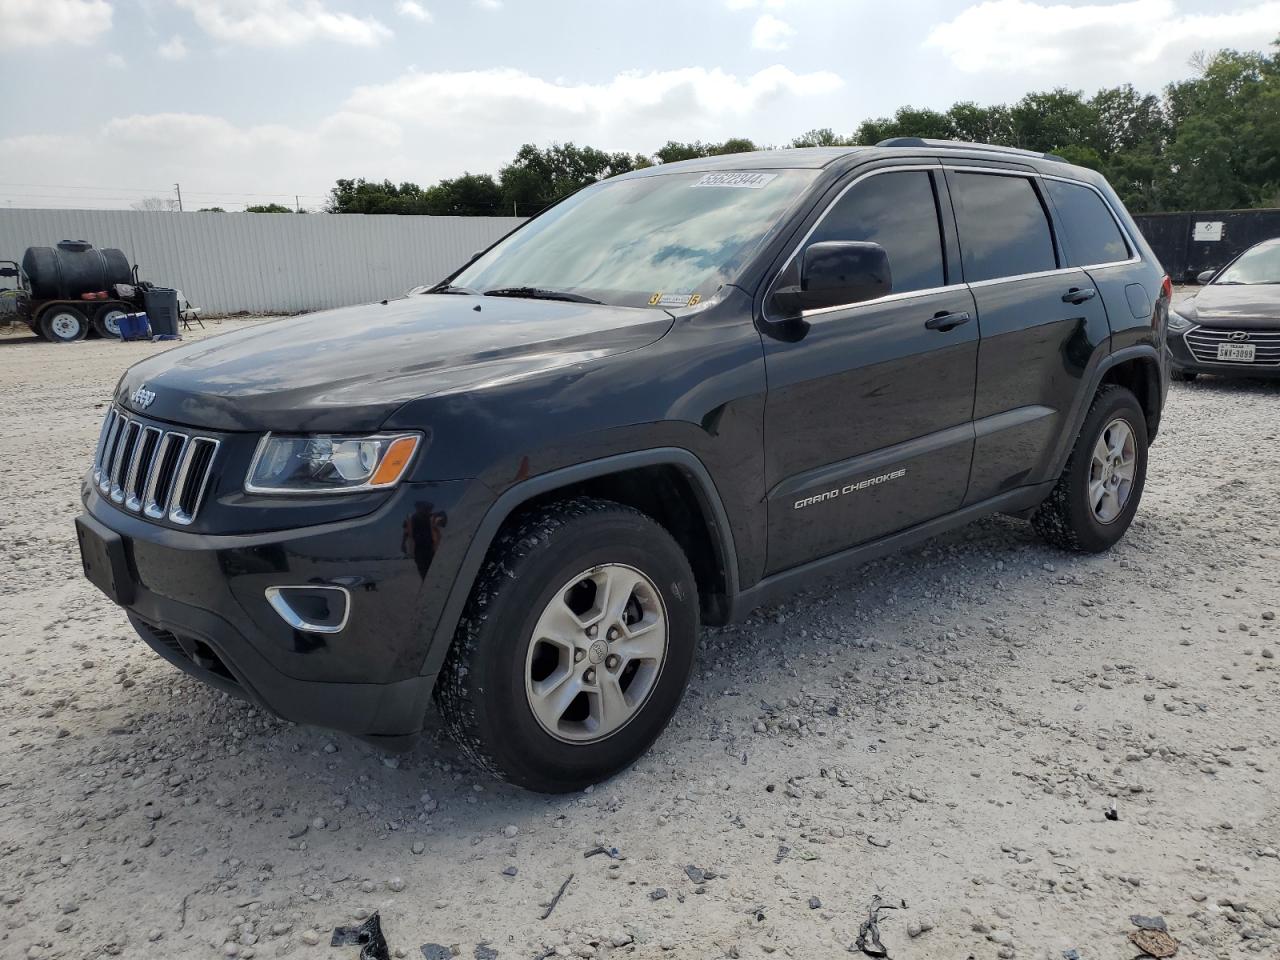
297,204
178,187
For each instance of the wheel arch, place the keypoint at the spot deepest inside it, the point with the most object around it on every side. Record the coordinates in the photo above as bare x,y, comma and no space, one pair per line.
669,484
1138,371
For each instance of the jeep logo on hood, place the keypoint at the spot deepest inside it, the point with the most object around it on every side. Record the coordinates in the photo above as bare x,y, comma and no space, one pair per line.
142,397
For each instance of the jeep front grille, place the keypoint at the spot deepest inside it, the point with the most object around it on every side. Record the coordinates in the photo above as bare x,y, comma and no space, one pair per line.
157,471
1203,343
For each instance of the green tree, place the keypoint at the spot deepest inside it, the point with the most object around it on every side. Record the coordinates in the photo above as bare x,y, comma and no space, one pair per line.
822,137
268,208
537,178
673,151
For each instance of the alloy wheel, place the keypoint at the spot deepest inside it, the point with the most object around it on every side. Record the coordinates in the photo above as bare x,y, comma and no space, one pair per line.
596,653
1111,470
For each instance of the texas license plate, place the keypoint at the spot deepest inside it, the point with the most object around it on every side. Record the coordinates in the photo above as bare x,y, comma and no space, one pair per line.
1236,351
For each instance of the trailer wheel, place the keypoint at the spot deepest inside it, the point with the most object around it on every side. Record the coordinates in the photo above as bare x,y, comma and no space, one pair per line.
64,324
106,321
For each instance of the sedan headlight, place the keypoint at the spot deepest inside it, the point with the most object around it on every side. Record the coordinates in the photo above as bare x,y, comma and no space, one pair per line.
328,464
1177,322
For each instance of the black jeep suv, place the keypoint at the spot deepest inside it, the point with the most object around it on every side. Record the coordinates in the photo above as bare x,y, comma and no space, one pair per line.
658,404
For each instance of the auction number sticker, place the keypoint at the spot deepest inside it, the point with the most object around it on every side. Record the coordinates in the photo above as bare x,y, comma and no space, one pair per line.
674,299
736,178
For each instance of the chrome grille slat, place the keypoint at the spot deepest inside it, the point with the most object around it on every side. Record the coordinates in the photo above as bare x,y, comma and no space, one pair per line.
162,473
109,453
124,452
107,422
1203,342
155,500
144,452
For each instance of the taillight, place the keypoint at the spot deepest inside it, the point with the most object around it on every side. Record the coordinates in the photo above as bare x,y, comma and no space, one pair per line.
1163,304
1166,288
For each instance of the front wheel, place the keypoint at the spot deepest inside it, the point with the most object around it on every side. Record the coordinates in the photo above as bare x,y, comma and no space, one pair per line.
1096,497
64,324
575,647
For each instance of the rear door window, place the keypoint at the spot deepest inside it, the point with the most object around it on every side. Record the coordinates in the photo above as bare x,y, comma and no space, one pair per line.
1092,235
1004,230
899,212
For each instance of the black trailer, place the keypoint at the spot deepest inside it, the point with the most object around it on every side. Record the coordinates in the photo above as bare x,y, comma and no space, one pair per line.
67,292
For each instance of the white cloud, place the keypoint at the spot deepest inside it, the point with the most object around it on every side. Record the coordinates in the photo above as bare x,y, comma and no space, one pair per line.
282,23
43,22
505,96
420,127
414,11
488,4
755,4
1093,44
116,61
175,48
770,33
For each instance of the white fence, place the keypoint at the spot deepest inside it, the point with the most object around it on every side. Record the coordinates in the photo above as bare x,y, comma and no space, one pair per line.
267,262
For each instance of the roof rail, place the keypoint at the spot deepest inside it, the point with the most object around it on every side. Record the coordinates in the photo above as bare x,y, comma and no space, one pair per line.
965,145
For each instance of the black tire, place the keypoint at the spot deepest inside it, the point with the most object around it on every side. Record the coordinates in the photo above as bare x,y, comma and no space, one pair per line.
64,324
481,691
106,321
1066,518
1186,376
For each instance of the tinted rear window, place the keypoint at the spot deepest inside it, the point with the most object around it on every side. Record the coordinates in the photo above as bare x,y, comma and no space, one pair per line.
1092,234
899,212
1003,228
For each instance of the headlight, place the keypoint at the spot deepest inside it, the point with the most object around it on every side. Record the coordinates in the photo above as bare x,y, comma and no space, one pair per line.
324,464
1177,322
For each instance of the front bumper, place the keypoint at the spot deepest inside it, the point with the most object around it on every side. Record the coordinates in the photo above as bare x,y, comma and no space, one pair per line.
199,600
1183,359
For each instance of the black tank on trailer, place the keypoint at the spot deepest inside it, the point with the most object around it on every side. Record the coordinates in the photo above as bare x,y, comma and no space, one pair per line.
73,267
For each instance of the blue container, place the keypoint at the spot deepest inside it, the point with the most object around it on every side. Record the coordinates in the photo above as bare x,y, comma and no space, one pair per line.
134,326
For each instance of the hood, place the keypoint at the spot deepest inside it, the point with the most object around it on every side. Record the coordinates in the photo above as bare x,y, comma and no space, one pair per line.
1241,307
350,369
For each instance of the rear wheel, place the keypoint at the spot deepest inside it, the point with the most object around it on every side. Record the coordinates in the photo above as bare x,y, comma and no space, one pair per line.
575,646
107,321
64,324
1096,497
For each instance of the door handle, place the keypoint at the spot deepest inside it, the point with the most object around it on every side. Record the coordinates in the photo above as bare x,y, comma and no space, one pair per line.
1079,295
947,321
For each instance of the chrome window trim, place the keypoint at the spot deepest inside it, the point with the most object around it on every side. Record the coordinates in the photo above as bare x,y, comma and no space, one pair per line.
889,298
951,287
290,616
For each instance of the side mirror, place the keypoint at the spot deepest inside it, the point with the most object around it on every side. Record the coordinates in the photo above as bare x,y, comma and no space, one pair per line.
1205,277
837,272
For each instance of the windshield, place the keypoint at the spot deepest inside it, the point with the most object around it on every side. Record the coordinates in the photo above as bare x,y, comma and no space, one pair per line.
1259,265
661,241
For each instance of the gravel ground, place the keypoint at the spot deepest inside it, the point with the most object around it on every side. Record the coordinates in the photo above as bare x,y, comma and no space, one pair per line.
1026,747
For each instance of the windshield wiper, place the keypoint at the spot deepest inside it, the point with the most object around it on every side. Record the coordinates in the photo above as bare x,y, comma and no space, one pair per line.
539,293
454,288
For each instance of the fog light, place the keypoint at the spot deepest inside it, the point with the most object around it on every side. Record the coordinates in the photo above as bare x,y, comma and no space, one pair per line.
313,609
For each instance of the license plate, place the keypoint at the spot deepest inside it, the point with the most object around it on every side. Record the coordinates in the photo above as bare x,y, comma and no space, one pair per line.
105,564
1236,351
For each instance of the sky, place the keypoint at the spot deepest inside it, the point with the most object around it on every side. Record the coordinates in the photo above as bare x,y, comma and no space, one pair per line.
254,101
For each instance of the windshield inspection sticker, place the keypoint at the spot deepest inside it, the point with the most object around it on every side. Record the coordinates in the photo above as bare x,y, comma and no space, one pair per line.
736,178
674,299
